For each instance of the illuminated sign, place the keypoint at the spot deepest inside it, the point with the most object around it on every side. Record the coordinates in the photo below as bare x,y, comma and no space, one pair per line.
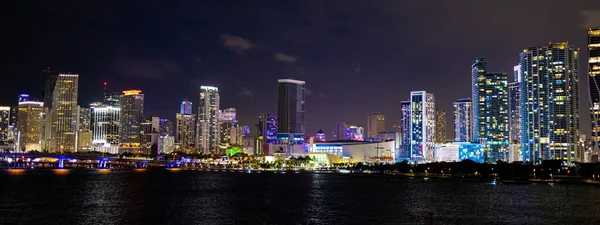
132,92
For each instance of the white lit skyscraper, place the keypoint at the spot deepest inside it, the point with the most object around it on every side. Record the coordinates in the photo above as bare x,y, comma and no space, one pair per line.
405,129
65,113
207,136
422,126
463,112
105,128
550,103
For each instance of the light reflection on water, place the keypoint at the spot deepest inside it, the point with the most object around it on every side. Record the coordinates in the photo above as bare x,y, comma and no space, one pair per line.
204,197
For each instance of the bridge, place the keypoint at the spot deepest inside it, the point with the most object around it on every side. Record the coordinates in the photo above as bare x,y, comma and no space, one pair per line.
93,160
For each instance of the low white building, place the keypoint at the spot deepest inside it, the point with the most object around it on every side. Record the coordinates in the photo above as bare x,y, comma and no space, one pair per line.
447,152
357,151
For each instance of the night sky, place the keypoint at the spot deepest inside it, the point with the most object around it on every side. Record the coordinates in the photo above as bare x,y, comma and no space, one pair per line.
355,56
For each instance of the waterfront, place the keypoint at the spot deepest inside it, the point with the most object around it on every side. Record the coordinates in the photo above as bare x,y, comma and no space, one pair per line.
198,197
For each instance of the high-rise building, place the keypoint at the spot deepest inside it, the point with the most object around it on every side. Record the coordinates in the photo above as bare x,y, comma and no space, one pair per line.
514,110
490,110
321,136
290,106
23,97
162,126
30,126
132,113
64,112
50,85
422,126
186,107
405,130
4,123
105,128
354,133
245,131
594,82
375,125
207,135
14,114
339,131
440,126
85,119
550,103
227,115
463,112
84,132
185,135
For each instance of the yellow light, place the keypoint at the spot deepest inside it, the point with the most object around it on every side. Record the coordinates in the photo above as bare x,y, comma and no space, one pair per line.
16,171
174,169
104,170
132,92
60,171
139,170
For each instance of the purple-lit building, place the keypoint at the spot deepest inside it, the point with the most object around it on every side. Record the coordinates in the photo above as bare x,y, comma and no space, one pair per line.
321,136
271,128
354,133
245,131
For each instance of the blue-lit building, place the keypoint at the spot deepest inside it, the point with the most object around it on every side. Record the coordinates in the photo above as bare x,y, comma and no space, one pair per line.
471,151
271,132
463,118
405,130
490,110
354,133
550,103
422,126
186,107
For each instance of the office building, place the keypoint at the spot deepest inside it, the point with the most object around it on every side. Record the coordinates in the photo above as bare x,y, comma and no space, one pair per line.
162,126
30,126
594,83
14,114
64,112
490,110
339,131
440,126
132,112
290,106
405,152
4,123
550,103
84,132
185,135
514,110
463,112
166,144
375,124
422,126
106,122
227,115
354,133
186,107
207,134
245,131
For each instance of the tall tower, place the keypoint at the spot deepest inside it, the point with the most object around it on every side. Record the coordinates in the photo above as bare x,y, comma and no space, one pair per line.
478,74
207,135
514,110
132,112
64,112
463,112
290,106
30,126
4,123
106,121
440,126
594,82
422,126
339,131
550,103
405,129
185,128
375,125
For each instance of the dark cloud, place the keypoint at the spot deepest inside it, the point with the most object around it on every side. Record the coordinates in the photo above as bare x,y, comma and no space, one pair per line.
151,69
237,44
591,18
245,92
285,58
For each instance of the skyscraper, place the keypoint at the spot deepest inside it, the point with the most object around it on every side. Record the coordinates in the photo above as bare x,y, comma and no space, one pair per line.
375,125
84,132
490,110
186,107
132,113
339,131
290,106
594,81
64,113
405,129
4,123
422,126
105,128
30,126
207,135
440,126
354,133
185,135
550,103
463,112
272,129
514,110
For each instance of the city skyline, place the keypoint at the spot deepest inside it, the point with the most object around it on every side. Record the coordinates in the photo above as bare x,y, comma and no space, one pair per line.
240,59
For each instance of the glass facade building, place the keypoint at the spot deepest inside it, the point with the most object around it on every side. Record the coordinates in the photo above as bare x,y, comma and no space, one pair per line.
4,123
463,112
375,125
290,106
186,107
440,126
30,126
65,111
105,128
422,126
594,80
471,151
132,112
207,134
550,103
405,129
